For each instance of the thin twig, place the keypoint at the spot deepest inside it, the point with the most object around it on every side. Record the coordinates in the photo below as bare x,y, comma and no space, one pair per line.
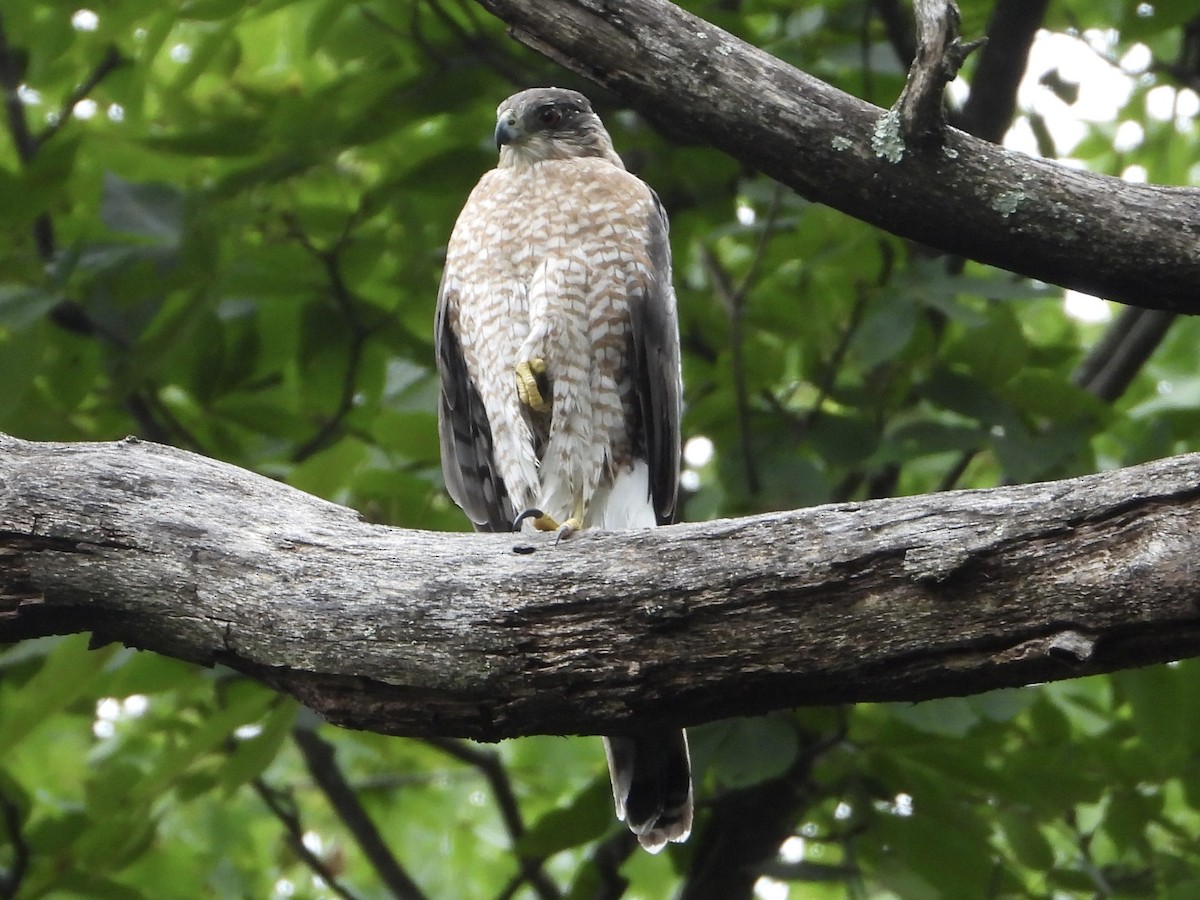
360,332
283,806
830,372
111,61
11,74
957,470
865,42
156,421
319,758
491,53
764,238
610,855
10,80
489,764
10,881
724,289
26,142
735,305
383,24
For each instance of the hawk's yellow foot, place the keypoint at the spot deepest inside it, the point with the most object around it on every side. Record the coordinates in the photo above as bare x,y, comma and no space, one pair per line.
538,519
543,522
573,524
569,527
532,386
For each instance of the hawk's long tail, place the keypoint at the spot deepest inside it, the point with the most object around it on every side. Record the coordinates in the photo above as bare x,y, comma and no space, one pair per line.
652,785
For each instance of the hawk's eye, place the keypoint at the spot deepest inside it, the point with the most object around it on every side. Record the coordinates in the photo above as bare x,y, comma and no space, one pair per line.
550,116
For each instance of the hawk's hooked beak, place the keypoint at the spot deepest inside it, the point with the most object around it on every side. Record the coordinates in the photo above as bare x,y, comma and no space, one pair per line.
508,129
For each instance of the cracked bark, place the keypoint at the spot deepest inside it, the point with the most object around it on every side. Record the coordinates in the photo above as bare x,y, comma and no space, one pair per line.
492,636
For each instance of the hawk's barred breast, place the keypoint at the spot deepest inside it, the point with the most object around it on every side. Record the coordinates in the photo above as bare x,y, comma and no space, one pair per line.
546,261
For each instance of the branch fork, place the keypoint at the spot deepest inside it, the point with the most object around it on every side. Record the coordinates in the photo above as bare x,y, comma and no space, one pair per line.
920,109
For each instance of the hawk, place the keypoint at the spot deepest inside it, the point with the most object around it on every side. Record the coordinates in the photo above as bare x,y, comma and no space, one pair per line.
558,354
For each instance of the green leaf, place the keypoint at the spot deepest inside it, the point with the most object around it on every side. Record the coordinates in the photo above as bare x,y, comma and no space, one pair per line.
55,832
1028,844
243,704
884,334
1003,705
1154,697
925,841
1128,818
268,188
69,671
153,211
18,799
21,306
1182,890
587,817
413,434
743,752
993,351
252,755
1049,725
142,672
78,885
951,717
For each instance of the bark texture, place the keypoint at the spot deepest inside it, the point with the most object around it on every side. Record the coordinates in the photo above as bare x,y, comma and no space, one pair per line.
939,55
1136,243
491,636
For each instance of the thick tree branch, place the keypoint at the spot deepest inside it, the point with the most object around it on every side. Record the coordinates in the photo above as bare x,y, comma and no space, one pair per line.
990,106
490,636
1111,365
1135,243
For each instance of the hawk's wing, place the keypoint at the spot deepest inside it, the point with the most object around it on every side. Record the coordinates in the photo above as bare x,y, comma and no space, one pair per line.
472,479
654,366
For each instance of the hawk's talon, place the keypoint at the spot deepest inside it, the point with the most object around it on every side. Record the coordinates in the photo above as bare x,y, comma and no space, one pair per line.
539,520
532,513
532,385
568,528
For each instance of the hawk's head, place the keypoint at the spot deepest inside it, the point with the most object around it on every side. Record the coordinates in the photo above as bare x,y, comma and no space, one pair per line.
550,123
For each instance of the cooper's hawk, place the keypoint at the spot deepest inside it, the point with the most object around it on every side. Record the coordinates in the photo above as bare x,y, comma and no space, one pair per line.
558,350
